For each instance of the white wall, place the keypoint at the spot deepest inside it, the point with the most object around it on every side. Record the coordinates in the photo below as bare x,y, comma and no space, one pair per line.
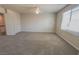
38,23
12,21
70,38
2,10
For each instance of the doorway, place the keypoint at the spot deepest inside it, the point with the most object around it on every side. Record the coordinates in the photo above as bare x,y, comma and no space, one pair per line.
2,25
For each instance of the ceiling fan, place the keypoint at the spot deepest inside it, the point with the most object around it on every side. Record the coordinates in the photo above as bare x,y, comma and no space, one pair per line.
37,11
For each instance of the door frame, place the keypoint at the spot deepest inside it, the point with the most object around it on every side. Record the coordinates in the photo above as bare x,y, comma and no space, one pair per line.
4,21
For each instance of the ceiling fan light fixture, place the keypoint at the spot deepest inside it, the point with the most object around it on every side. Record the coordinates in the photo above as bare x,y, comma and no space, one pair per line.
37,11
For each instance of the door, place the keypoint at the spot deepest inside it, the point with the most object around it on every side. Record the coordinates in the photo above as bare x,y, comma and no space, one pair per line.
2,25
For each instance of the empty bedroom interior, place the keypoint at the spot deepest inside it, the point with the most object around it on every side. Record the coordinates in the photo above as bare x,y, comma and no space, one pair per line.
39,29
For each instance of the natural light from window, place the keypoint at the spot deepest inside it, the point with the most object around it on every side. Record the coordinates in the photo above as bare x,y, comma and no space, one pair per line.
70,21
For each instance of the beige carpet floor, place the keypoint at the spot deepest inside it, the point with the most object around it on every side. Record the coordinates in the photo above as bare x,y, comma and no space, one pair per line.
35,44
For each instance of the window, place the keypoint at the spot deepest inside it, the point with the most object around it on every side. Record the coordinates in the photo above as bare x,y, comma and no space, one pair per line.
65,20
70,21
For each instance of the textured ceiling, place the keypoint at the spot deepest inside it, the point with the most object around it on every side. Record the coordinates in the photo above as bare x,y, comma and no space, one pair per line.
30,8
